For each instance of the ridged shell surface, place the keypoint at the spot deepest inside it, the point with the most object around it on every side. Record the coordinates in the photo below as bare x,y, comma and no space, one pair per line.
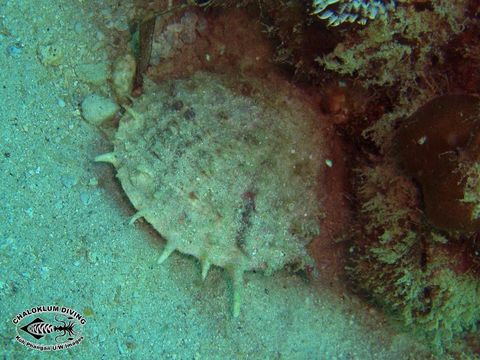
230,178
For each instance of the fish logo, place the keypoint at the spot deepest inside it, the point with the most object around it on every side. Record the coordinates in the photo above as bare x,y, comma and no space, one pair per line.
39,328
49,328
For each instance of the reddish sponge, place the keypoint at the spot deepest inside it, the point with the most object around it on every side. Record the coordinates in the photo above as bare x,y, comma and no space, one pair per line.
437,146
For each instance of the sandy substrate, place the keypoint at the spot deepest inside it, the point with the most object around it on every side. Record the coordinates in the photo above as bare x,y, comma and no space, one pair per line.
65,238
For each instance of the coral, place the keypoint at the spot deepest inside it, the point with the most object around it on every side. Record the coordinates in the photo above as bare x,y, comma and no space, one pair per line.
386,255
398,51
404,265
426,277
337,12
438,146
454,303
231,180
406,61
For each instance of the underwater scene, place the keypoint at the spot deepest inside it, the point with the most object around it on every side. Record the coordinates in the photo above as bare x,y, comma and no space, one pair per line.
250,179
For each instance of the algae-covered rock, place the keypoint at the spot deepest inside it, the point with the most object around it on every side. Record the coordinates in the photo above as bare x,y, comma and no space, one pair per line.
428,280
399,50
231,180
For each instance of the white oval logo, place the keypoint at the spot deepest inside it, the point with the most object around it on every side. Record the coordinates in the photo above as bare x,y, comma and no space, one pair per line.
49,328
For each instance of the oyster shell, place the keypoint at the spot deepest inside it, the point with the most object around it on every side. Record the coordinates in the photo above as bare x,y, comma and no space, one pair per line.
228,178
